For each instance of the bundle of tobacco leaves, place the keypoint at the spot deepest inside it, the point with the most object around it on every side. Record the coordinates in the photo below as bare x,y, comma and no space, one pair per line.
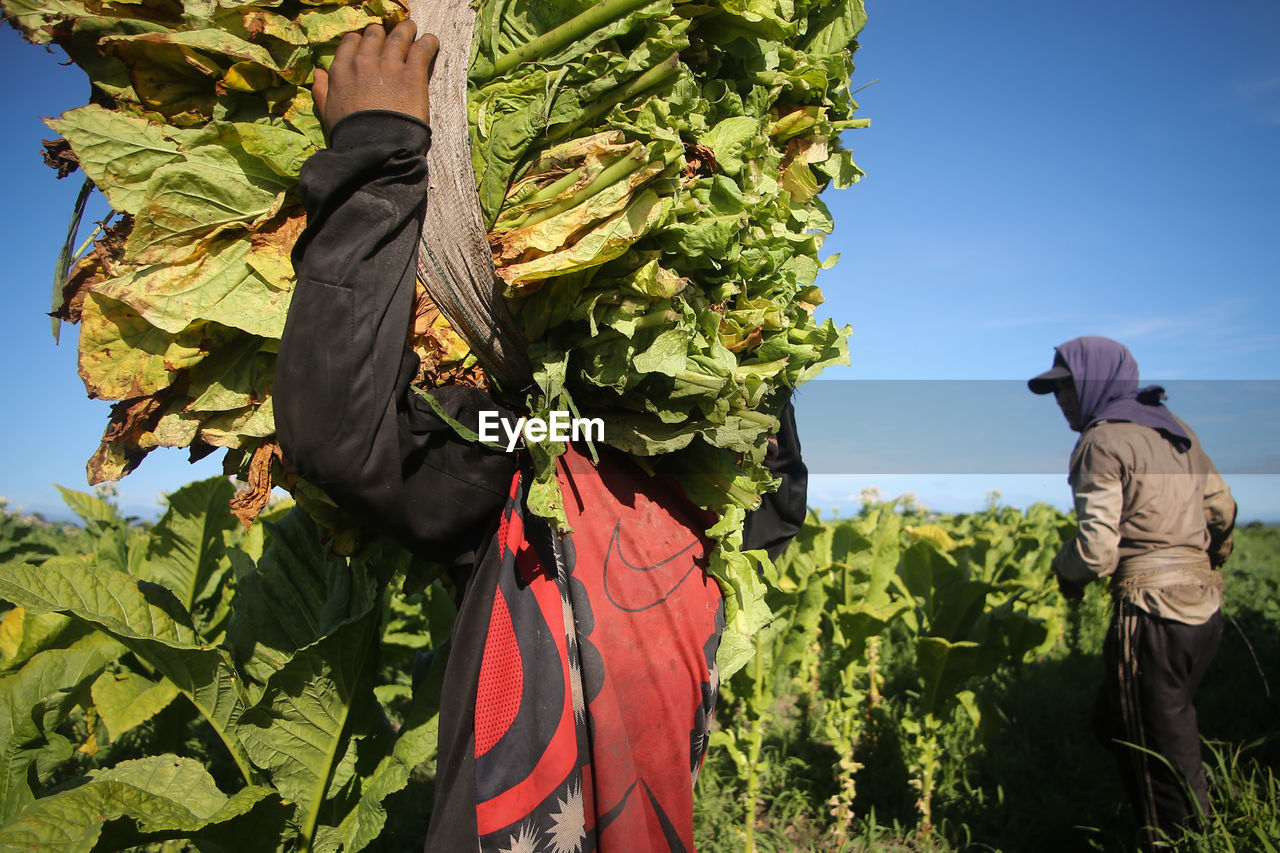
648,172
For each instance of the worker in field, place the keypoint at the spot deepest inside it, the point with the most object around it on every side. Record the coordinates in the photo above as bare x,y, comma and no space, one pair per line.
1155,516
581,678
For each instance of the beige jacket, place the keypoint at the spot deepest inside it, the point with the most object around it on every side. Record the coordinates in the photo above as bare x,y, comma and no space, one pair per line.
1153,518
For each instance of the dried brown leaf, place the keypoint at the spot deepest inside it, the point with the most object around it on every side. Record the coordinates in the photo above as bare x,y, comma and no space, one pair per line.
59,156
124,443
248,504
101,263
700,160
752,340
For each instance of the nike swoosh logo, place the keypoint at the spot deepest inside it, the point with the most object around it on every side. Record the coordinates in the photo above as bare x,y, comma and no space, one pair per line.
613,556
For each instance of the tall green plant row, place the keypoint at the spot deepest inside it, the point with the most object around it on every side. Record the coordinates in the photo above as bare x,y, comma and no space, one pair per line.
194,680
244,666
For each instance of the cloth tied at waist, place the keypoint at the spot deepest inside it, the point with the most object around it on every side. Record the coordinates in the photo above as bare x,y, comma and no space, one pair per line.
1157,571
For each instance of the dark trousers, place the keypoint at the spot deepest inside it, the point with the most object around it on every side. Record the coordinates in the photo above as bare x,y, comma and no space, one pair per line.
1153,668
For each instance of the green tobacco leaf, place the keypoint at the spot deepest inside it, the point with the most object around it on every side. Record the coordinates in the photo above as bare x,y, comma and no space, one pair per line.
834,28
23,634
731,140
296,731
943,666
668,354
741,579
867,553
808,554
119,152
90,508
283,149
958,609
1008,632
34,702
886,549
715,228
298,594
126,700
949,603
187,552
148,620
237,376
118,543
646,436
163,794
240,427
301,116
924,571
800,625
112,600
772,19
218,186
415,746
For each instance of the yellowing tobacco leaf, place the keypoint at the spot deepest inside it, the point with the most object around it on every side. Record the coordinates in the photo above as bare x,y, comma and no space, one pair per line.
119,152
602,243
322,25
122,356
175,429
126,440
223,286
240,427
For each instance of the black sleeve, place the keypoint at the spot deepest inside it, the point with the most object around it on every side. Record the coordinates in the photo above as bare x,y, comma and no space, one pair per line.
780,516
345,415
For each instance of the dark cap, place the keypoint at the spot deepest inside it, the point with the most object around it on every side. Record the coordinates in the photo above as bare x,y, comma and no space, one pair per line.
1046,382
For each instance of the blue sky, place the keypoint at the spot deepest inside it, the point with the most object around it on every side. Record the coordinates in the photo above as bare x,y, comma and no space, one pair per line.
1040,171
1034,172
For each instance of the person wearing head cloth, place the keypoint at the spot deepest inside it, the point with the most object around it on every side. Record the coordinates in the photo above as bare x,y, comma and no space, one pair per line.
1155,516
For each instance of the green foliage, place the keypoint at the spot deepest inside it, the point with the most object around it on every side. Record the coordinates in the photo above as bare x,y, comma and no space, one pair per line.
34,703
967,711
255,650
166,796
1244,804
923,687
28,537
950,600
1254,574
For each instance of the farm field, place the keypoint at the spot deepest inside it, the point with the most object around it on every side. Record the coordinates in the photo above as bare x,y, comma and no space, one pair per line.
190,685
944,697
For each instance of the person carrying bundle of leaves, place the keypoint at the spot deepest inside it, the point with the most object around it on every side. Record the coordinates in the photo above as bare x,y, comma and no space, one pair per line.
581,678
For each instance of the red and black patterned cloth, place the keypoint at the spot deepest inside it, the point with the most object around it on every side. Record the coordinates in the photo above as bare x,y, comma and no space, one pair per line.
597,680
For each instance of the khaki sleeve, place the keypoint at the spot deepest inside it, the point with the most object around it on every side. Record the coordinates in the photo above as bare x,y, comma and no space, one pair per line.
1219,515
1097,486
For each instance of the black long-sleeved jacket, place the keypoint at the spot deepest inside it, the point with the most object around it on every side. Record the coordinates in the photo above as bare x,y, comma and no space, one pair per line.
344,413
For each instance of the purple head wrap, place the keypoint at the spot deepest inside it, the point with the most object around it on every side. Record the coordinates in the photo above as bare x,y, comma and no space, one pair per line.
1106,378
